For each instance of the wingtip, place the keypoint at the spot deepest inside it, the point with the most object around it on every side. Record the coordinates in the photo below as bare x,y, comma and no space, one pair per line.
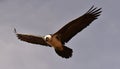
94,9
15,31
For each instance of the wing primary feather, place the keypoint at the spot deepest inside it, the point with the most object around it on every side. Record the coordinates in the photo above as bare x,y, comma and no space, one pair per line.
15,31
96,12
90,9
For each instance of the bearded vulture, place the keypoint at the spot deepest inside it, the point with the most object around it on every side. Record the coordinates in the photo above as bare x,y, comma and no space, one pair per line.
62,36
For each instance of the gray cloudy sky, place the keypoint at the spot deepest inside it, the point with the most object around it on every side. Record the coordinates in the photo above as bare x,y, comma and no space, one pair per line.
96,47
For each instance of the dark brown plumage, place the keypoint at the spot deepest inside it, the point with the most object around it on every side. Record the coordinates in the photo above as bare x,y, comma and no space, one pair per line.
77,25
31,39
58,39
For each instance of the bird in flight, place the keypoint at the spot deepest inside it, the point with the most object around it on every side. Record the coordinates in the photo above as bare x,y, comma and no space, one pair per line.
62,36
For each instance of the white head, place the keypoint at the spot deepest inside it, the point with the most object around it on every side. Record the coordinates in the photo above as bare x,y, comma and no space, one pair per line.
47,37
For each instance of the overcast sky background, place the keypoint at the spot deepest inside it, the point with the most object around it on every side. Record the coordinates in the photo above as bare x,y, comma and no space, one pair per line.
96,47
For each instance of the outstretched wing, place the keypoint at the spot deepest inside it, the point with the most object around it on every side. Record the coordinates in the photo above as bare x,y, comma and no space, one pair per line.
31,39
77,25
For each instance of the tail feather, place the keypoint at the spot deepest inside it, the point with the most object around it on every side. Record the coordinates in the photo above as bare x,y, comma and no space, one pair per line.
65,53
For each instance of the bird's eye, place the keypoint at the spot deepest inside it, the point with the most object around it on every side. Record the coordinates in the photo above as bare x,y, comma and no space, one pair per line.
47,39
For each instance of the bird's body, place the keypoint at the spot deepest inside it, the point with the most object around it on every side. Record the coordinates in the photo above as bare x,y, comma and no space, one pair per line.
55,43
62,36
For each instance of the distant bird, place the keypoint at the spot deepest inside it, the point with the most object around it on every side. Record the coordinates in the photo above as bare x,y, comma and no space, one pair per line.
58,39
